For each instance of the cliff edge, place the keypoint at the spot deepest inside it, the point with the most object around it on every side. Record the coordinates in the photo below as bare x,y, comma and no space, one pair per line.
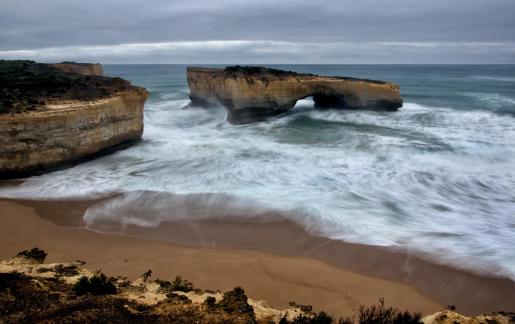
254,93
80,68
35,292
49,116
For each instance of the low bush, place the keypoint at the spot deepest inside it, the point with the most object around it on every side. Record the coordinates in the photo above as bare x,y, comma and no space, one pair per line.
210,303
379,314
34,254
314,318
235,302
179,284
374,314
27,85
96,285
178,298
303,308
258,69
147,275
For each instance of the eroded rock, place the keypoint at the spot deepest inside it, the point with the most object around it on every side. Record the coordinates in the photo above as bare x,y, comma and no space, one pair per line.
80,68
49,117
254,93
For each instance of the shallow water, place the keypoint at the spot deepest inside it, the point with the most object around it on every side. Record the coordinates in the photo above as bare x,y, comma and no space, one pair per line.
438,176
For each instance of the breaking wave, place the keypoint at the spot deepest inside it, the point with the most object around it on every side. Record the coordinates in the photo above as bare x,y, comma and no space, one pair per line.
430,178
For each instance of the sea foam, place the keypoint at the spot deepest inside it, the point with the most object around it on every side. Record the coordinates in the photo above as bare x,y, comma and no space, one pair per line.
429,178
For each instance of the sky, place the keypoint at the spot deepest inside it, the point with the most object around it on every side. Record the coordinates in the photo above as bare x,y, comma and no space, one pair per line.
259,31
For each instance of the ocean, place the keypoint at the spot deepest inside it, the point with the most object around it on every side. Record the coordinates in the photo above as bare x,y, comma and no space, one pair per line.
436,177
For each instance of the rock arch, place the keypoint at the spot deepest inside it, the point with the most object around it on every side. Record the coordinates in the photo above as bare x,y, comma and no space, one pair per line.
254,93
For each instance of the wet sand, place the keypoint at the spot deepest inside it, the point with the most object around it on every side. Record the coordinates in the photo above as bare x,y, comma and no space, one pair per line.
274,260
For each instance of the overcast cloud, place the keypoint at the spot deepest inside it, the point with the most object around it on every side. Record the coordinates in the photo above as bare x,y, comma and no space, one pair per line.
252,31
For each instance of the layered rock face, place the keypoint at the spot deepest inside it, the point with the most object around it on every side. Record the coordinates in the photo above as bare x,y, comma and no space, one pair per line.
253,93
80,68
59,130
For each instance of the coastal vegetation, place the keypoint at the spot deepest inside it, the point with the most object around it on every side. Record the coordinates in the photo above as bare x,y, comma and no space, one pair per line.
97,285
28,86
252,70
35,254
54,293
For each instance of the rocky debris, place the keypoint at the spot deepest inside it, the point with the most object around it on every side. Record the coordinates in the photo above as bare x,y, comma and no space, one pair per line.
255,93
452,317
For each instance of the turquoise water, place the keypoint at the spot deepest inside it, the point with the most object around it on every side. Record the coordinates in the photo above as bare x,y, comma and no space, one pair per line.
436,177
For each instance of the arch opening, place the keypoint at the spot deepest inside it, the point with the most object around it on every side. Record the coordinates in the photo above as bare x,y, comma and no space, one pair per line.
304,103
321,101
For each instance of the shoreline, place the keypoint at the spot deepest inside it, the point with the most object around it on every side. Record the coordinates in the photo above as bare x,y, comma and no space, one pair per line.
281,248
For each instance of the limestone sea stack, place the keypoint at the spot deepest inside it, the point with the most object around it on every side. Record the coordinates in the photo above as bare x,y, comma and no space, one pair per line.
51,115
254,93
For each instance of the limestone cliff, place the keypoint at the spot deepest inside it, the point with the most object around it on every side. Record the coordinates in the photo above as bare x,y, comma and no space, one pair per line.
80,68
81,117
253,93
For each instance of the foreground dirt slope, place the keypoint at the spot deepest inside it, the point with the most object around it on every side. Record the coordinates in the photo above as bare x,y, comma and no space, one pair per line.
32,291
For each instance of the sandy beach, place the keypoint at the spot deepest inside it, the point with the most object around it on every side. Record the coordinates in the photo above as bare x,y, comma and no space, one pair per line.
254,162
276,261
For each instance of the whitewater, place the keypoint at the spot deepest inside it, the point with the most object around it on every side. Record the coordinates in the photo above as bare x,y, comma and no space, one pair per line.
436,177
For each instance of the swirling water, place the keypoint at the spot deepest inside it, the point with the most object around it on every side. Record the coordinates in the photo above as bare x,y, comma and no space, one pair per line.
438,176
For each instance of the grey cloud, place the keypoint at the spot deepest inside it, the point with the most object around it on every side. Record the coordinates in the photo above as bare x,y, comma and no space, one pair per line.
249,52
36,24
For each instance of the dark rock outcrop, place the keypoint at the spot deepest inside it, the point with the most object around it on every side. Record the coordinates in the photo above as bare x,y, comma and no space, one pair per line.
254,93
49,117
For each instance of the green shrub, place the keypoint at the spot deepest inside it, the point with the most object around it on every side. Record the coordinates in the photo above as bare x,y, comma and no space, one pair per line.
96,285
178,298
147,275
257,69
66,271
322,318
379,314
303,308
210,303
27,85
180,284
313,318
34,254
235,302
